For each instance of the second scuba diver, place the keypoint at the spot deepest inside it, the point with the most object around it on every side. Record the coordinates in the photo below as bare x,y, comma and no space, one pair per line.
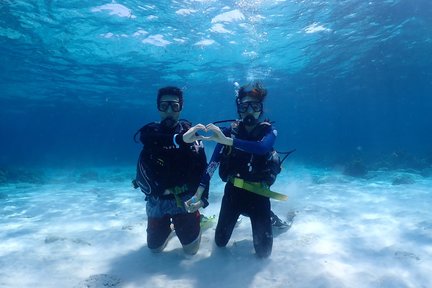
244,153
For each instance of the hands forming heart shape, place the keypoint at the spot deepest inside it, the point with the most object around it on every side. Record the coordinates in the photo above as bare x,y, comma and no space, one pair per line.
205,134
204,131
209,132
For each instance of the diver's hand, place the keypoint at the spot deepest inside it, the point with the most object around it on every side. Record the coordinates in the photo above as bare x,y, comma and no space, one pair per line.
193,204
218,136
191,136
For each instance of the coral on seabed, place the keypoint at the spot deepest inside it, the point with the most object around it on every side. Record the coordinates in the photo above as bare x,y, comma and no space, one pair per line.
403,179
355,168
427,172
21,175
3,176
88,176
403,160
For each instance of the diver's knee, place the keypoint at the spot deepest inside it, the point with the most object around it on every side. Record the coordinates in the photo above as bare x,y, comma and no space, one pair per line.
263,253
157,250
193,247
221,240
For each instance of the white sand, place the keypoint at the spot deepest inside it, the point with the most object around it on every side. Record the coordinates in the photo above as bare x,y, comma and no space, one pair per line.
347,233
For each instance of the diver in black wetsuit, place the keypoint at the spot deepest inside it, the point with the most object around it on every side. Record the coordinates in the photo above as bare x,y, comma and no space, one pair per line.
168,172
243,152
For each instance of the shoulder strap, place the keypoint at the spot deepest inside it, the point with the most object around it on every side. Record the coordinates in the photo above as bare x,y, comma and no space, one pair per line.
261,129
184,125
235,127
153,126
266,124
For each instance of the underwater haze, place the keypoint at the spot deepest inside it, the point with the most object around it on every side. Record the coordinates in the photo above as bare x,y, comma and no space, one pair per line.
349,87
346,79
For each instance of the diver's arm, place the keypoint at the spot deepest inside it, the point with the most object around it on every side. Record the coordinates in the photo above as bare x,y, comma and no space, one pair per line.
197,201
219,136
261,147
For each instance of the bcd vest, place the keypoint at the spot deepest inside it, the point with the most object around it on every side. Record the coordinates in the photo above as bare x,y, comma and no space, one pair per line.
161,165
248,166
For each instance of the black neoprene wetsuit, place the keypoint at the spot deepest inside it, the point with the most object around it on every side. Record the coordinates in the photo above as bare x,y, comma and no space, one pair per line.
247,153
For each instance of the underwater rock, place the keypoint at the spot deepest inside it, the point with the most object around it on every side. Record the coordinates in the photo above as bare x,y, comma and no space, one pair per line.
88,176
355,169
425,173
3,176
403,160
31,177
328,179
100,280
21,175
3,195
119,178
53,239
403,179
406,255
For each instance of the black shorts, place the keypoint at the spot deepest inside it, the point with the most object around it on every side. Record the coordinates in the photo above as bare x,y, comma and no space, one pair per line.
186,226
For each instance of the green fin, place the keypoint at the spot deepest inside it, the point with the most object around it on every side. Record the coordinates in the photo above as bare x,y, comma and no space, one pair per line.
207,222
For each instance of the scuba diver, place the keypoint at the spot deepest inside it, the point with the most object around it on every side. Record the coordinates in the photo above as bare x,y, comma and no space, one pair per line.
169,169
248,166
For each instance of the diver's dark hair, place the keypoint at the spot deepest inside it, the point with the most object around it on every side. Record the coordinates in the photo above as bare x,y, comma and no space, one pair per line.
170,90
255,90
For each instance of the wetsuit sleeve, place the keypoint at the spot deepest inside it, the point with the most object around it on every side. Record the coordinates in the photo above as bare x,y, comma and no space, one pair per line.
261,147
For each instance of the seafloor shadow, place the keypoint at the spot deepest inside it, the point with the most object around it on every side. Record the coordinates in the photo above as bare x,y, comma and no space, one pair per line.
218,269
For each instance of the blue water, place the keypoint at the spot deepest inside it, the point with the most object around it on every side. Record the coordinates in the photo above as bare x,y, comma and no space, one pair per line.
347,80
350,85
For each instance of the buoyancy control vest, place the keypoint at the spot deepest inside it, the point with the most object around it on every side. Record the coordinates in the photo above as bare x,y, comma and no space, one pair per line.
245,165
162,165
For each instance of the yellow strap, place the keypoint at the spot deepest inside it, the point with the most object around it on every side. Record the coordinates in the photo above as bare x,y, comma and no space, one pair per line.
258,188
177,190
179,201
